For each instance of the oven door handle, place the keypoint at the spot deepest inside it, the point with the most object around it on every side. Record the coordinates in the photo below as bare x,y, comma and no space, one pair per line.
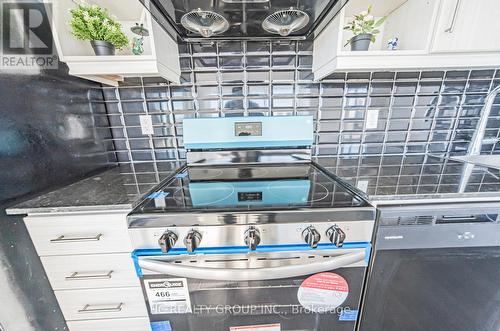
241,274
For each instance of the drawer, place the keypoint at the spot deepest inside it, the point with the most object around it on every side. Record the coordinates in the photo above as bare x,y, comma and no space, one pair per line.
90,271
122,324
102,303
79,234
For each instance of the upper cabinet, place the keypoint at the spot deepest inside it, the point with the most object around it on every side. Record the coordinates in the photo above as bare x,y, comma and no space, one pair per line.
160,56
427,31
467,26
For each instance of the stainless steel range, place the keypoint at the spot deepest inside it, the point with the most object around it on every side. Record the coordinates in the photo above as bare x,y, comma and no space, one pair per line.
251,234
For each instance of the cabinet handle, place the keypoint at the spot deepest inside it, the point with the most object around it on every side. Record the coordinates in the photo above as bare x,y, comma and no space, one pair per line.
63,238
76,276
87,309
454,18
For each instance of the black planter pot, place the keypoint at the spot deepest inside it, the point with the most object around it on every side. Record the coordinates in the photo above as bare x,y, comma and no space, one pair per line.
361,42
102,47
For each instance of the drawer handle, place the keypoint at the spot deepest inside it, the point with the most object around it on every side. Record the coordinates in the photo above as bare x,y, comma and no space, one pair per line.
454,18
100,309
62,239
75,276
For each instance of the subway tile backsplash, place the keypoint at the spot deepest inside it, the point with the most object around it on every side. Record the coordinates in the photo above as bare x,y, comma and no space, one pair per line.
357,113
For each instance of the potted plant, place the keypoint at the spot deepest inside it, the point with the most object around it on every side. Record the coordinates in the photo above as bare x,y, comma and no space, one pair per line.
93,23
364,27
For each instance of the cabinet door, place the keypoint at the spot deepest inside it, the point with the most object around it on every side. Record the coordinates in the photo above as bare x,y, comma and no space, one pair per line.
467,26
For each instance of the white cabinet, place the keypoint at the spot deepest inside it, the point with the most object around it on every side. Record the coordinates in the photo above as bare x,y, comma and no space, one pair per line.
467,26
86,256
423,43
115,324
94,304
79,234
160,57
90,271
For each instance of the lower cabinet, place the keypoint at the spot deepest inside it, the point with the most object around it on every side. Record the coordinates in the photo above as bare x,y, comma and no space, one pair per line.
121,324
87,259
102,303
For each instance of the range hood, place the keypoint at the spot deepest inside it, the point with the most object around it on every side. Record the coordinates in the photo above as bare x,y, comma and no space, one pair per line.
196,20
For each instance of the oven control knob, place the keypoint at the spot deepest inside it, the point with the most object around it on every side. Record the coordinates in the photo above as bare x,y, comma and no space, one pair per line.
311,236
167,241
336,235
192,240
252,238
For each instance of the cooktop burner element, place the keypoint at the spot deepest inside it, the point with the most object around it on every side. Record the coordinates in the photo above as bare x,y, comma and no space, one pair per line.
246,187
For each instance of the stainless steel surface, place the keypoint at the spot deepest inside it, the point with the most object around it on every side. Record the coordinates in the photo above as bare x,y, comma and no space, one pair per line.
251,218
271,233
247,269
88,308
244,17
203,158
478,137
454,17
167,241
84,276
252,238
311,236
204,22
284,22
63,239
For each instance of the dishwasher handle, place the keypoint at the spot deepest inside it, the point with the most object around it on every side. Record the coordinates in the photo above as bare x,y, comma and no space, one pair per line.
240,274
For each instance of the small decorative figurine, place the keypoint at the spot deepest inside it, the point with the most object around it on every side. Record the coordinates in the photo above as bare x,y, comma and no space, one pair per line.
138,43
392,44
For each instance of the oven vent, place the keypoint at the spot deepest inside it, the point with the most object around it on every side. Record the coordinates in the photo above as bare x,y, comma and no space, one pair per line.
416,220
204,22
284,22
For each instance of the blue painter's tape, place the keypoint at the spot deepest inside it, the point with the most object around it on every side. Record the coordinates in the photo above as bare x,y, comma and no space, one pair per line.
161,326
181,175
138,269
348,315
368,251
244,249
159,194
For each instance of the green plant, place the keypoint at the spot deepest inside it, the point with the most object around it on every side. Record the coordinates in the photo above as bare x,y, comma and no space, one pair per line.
91,22
364,23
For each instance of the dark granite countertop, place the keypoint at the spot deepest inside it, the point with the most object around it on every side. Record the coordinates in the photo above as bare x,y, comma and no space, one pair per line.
119,188
386,180
396,179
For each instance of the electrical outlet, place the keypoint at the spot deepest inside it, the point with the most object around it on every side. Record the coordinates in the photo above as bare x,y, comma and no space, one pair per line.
372,118
362,185
146,124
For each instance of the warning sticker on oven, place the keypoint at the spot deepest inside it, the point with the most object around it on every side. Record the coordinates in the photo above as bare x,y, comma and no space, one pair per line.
323,292
168,295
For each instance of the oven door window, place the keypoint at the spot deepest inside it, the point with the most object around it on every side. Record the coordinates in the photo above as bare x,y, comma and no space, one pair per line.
272,303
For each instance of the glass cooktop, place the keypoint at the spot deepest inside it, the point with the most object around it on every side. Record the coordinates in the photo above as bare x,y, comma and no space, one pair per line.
244,187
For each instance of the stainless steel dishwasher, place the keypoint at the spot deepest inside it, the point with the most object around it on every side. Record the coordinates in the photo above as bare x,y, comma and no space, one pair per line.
435,267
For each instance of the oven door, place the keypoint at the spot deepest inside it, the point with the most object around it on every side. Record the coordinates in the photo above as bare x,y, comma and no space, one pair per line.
274,288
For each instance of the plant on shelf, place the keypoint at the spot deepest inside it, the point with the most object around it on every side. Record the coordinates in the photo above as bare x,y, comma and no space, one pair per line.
93,23
364,27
